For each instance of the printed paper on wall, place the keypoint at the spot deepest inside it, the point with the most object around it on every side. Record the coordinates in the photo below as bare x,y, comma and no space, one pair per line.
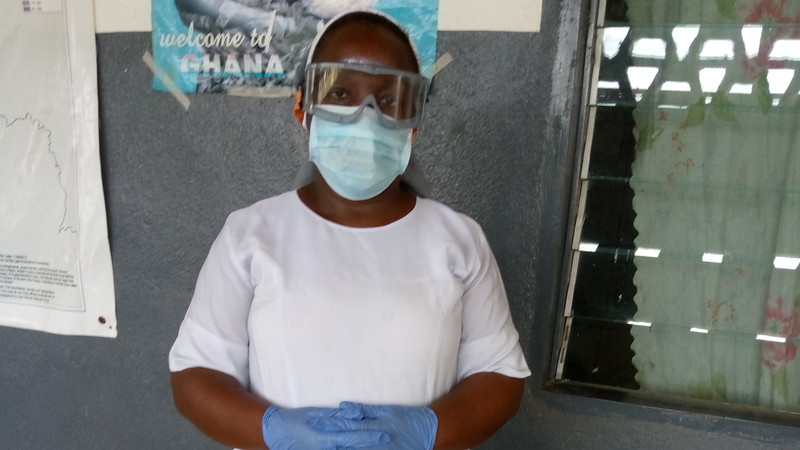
55,264
215,46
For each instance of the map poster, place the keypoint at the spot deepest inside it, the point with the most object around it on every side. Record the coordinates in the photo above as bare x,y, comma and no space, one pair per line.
217,46
55,263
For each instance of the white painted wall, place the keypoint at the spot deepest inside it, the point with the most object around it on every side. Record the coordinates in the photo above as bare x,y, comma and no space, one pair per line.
504,15
115,15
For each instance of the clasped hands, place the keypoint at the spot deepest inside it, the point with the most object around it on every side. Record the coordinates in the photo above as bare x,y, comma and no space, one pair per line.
352,425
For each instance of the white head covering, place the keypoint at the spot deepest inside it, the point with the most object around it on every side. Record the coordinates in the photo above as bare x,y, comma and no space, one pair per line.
374,12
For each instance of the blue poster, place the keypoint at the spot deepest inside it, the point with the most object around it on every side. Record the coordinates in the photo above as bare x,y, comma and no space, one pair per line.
215,45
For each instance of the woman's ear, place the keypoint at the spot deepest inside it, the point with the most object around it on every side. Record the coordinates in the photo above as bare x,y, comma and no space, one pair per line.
414,134
299,114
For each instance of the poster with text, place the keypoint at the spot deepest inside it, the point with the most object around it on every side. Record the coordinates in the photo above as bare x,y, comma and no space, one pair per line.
55,263
217,46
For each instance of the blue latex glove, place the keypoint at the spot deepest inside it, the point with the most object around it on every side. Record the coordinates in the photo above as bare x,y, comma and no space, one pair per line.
288,428
408,427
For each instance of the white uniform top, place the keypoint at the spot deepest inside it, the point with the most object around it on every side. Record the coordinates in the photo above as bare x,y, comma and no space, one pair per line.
306,312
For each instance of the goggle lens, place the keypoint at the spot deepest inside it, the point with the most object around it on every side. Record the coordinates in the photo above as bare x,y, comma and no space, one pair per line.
397,94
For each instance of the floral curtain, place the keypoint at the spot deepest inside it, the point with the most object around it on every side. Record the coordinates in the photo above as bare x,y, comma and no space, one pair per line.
717,199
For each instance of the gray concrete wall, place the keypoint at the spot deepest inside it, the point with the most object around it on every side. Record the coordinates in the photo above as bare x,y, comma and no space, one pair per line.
497,145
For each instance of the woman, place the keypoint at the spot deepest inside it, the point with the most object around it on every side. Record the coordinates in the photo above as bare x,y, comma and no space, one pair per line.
351,313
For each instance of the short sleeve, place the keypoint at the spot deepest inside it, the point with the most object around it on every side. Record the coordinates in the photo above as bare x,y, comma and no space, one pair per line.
214,333
489,340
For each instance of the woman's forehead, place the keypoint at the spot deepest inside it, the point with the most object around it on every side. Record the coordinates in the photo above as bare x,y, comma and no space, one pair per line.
365,43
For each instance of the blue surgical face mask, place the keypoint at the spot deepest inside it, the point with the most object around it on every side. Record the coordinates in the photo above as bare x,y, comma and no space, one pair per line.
358,160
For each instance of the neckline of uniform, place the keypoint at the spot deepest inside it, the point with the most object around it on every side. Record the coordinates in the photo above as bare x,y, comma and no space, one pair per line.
333,224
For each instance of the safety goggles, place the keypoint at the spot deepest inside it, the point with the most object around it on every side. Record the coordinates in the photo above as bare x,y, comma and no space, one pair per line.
398,95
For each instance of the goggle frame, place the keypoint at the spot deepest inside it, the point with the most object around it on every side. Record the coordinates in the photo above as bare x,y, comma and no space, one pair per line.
419,84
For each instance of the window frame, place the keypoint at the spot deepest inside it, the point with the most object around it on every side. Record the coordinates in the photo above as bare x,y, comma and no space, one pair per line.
580,146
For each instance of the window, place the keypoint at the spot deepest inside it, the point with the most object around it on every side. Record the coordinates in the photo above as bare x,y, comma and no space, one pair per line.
684,280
